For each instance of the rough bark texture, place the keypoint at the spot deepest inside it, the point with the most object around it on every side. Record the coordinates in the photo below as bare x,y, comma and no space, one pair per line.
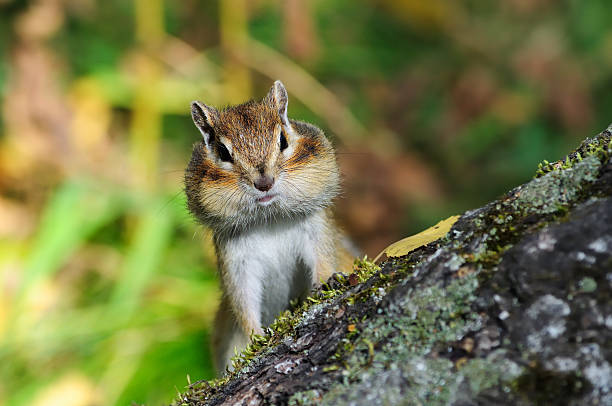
513,306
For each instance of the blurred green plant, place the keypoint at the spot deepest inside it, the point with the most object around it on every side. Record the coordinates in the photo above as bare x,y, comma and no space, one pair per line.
154,306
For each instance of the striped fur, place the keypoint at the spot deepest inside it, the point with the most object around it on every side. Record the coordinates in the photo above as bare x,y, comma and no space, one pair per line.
272,246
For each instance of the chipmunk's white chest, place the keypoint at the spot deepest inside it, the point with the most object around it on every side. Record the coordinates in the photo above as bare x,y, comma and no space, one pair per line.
274,263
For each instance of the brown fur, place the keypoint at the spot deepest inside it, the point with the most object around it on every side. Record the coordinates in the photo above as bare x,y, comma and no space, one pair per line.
222,194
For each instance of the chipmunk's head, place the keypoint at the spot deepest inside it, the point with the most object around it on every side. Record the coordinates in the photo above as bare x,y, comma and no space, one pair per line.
254,164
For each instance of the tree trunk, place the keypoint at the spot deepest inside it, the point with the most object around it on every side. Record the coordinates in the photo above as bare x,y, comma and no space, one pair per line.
513,306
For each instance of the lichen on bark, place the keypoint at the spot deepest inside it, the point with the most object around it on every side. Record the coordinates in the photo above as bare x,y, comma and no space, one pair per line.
512,306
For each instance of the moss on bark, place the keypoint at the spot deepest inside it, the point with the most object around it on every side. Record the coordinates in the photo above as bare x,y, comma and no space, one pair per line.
512,306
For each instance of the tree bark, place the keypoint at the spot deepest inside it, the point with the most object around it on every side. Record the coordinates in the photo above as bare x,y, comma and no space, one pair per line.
513,306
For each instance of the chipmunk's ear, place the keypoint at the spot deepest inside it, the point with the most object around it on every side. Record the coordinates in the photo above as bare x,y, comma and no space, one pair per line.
204,118
279,99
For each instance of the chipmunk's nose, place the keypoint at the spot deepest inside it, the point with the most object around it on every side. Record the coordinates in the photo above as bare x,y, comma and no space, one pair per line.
264,183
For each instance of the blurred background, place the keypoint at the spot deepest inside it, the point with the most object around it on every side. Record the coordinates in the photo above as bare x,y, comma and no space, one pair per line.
107,285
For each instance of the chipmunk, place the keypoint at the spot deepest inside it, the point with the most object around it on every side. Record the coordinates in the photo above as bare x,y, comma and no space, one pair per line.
264,184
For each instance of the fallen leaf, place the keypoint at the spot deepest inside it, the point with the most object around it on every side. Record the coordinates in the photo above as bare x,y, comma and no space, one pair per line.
404,246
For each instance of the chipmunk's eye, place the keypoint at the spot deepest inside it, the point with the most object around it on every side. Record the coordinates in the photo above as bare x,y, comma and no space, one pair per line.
224,154
283,141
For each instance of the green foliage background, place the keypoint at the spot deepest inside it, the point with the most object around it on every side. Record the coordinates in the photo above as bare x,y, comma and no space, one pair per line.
108,287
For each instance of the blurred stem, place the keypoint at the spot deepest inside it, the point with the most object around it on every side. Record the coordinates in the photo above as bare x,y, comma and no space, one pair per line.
145,128
302,85
299,31
234,35
149,16
149,241
67,222
129,347
305,87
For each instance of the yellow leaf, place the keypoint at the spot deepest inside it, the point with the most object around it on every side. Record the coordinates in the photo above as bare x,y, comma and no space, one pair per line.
404,246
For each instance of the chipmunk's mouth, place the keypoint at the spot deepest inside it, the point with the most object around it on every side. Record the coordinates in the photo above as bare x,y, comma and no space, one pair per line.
267,199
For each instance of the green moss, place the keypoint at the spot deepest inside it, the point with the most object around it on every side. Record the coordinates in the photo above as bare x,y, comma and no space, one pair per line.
309,397
587,285
483,374
556,189
420,380
404,335
486,258
552,194
600,148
